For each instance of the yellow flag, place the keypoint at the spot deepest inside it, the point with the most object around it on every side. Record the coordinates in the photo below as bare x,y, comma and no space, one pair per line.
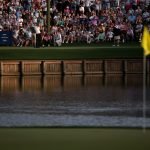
146,41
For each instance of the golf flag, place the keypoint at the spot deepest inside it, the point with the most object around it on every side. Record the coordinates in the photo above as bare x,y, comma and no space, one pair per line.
146,41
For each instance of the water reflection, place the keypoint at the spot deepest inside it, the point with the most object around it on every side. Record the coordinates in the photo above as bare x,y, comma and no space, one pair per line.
52,82
112,100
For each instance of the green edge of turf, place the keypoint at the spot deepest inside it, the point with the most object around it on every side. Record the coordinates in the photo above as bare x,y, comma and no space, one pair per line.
74,139
70,53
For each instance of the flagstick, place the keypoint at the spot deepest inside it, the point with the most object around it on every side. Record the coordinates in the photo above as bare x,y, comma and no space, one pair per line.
144,93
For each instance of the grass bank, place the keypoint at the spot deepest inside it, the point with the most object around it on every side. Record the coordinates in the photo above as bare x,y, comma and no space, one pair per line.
74,139
71,52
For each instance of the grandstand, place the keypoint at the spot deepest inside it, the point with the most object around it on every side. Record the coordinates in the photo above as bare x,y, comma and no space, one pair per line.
41,23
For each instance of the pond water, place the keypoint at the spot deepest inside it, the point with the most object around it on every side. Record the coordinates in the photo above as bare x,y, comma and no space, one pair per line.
99,101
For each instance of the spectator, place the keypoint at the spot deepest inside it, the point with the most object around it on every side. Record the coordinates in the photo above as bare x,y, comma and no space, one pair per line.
109,35
46,39
130,33
73,20
117,33
58,38
38,35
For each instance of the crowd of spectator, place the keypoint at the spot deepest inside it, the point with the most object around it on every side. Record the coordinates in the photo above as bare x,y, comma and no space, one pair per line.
74,21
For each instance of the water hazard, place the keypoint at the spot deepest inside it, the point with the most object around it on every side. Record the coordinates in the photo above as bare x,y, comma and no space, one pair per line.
101,101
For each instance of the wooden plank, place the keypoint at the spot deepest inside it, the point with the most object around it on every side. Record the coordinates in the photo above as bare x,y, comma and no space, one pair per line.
114,66
52,67
10,68
32,67
72,67
134,66
93,67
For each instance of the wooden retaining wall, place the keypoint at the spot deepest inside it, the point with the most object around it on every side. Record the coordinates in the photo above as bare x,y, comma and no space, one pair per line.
74,67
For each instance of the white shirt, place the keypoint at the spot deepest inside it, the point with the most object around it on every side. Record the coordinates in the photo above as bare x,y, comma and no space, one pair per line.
37,29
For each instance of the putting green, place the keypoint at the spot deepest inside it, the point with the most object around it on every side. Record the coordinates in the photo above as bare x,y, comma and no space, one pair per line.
74,139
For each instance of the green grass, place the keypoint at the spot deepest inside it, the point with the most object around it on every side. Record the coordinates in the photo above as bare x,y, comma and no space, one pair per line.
81,51
74,139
